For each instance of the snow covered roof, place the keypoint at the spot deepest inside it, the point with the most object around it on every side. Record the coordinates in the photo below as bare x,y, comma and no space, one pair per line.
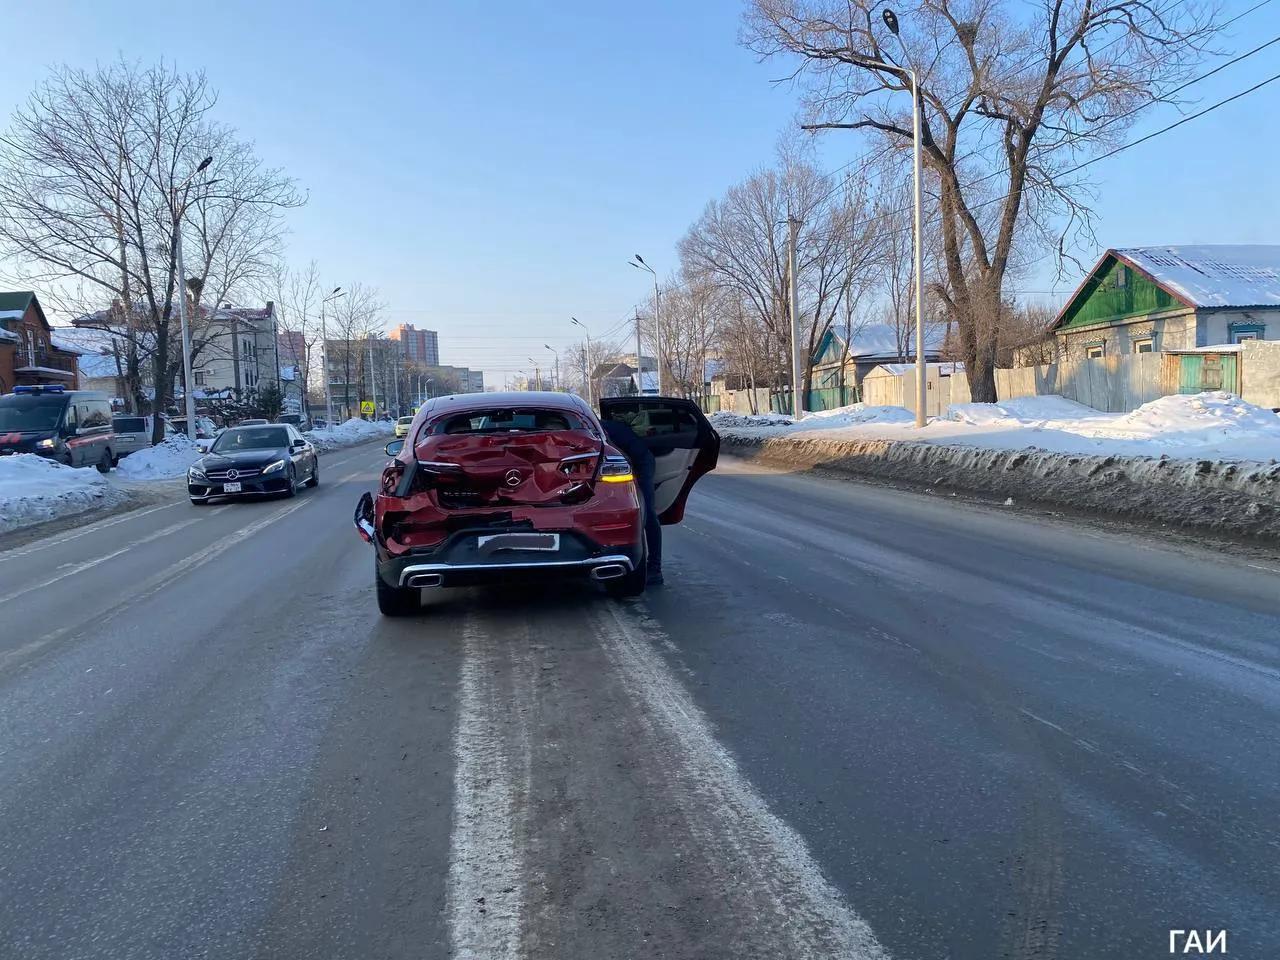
648,381
944,369
1212,275
6,335
881,340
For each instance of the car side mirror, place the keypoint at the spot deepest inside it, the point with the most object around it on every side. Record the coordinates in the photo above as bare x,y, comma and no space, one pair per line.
394,448
299,444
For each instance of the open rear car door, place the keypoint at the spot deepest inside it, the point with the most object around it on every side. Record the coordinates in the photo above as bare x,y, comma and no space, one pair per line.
682,441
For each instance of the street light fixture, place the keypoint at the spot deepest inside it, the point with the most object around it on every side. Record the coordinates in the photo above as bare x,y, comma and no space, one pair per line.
324,342
555,383
188,385
586,360
639,264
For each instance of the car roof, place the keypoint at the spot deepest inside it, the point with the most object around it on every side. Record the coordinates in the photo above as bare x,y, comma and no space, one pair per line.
543,399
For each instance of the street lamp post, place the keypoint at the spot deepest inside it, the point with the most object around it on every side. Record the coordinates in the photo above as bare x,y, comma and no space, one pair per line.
555,383
891,21
537,375
188,386
586,361
639,264
324,344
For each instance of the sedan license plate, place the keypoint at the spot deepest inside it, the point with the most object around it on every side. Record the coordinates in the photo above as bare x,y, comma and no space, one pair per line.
231,488
547,542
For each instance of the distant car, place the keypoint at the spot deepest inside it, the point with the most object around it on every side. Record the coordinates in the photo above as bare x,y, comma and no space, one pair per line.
402,426
319,423
296,420
133,433
70,426
271,458
206,429
252,422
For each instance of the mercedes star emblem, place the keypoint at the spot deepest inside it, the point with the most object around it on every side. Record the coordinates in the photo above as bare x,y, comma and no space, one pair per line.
512,479
232,474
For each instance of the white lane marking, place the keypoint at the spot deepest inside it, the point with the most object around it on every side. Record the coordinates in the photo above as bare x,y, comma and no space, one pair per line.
157,582
74,569
813,921
484,900
82,532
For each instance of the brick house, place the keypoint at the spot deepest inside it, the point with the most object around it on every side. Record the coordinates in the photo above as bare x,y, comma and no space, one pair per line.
29,352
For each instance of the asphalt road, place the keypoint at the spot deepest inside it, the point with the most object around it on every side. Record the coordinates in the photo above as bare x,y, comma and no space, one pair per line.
856,722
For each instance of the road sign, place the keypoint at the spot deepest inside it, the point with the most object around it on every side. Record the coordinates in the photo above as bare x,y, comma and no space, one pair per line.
366,406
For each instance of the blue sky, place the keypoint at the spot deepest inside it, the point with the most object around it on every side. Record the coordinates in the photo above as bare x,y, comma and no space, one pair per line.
491,168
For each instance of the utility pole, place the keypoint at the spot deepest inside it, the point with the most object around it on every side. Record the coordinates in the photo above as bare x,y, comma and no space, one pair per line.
586,360
395,374
797,407
639,264
373,382
324,342
639,360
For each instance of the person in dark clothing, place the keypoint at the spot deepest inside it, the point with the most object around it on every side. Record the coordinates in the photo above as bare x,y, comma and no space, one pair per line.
624,438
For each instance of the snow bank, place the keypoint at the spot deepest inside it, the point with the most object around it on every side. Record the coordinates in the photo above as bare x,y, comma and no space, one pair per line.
33,489
166,460
1240,499
857,413
351,432
726,420
1212,426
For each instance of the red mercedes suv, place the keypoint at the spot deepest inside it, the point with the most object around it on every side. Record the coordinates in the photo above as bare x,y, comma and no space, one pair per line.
487,487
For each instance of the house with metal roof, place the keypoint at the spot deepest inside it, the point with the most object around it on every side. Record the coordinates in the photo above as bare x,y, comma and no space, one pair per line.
1163,299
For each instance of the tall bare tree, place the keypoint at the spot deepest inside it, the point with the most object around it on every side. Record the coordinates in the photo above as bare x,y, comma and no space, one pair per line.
98,173
1011,97
356,317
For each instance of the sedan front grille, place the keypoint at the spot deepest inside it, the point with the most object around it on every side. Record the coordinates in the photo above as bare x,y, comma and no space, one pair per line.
246,474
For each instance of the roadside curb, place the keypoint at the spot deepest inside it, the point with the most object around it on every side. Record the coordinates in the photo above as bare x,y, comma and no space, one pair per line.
1234,498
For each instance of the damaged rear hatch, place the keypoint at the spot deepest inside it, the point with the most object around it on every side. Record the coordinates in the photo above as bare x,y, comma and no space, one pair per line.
508,456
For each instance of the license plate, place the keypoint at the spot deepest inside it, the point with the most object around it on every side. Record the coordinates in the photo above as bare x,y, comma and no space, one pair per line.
519,541
231,488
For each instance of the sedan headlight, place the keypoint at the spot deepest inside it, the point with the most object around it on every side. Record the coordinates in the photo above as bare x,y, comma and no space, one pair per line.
273,467
47,444
195,473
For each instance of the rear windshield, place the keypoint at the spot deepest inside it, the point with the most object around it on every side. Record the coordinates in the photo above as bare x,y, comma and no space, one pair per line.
508,420
405,421
129,424
30,413
251,438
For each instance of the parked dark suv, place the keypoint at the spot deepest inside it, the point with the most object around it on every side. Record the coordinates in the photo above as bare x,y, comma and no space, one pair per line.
70,426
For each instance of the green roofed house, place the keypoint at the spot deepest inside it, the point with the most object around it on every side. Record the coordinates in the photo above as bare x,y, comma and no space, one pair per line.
1159,299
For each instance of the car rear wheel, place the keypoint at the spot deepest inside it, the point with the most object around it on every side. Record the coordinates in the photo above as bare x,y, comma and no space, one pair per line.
396,601
315,475
292,489
104,462
629,585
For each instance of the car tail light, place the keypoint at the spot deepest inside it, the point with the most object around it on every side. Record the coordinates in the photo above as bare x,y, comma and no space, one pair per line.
616,470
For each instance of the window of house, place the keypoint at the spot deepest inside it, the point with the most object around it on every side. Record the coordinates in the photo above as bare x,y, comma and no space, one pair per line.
1122,277
199,375
1241,331
1146,345
1095,351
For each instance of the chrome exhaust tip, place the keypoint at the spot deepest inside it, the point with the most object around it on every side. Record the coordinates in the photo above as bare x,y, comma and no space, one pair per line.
608,571
419,580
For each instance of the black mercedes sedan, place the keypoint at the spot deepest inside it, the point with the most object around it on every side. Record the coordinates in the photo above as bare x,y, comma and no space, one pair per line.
247,461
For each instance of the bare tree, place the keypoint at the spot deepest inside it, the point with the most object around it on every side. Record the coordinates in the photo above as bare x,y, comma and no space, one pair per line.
356,317
740,245
1017,93
297,295
100,170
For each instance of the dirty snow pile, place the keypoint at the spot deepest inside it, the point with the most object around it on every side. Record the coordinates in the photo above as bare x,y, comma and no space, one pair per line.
33,488
166,460
725,420
1210,426
351,432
